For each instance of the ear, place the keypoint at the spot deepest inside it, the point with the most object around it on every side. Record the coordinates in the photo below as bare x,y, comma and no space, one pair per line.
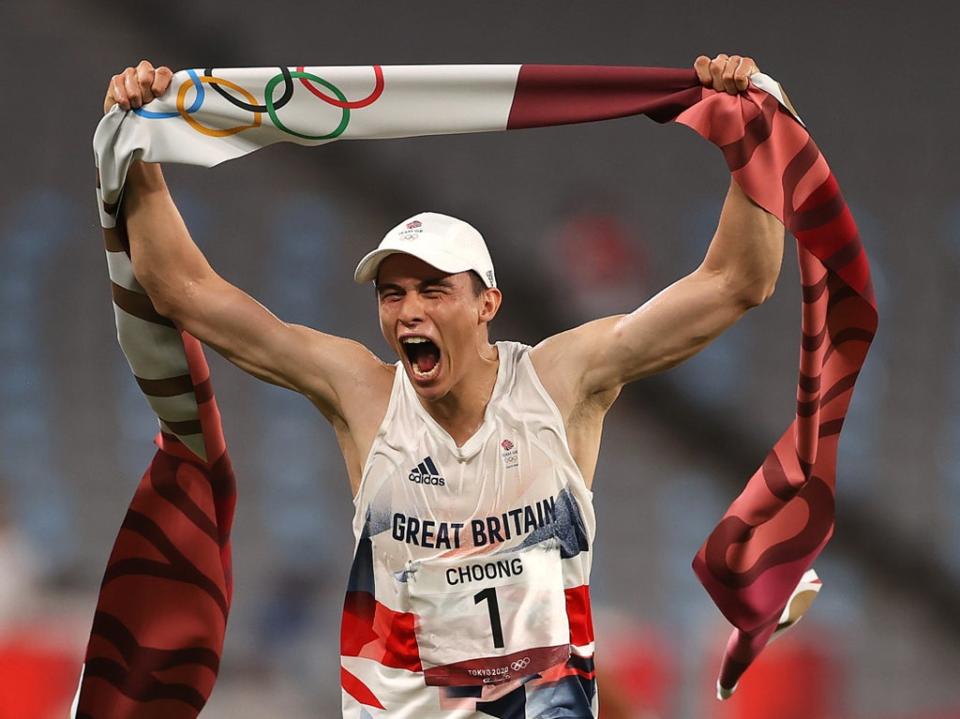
490,304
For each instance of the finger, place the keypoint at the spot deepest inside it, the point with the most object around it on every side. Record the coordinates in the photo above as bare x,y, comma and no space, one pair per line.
742,76
109,98
161,80
132,87
729,70
702,66
145,73
119,91
716,71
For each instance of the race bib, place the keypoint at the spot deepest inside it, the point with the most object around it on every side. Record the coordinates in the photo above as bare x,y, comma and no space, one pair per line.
489,619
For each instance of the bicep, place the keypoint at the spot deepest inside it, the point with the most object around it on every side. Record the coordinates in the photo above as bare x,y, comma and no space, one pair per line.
669,328
254,339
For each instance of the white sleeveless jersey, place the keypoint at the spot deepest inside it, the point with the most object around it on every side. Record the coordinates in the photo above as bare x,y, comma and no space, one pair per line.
468,597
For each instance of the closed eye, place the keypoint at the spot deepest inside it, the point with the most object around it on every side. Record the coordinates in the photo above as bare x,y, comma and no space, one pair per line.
436,288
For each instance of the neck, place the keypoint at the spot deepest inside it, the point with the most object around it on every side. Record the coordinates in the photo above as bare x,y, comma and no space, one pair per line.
461,410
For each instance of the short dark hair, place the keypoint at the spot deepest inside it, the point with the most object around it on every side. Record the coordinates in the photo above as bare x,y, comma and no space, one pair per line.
478,284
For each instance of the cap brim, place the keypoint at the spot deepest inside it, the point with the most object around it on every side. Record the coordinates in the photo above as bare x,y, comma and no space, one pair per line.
367,267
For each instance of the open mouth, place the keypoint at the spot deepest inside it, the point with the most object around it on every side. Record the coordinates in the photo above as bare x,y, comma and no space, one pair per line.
424,356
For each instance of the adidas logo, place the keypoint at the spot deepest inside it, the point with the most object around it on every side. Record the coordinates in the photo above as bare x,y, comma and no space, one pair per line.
426,473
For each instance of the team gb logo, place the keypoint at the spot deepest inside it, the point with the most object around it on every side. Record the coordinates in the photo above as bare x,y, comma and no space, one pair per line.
509,454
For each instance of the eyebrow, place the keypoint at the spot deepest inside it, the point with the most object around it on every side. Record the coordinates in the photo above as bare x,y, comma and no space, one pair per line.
430,281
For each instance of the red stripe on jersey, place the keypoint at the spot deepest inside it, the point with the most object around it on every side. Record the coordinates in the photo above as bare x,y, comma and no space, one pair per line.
579,615
372,630
358,690
555,674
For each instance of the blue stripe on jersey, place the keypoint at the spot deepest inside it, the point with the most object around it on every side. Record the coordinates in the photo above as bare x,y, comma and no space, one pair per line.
361,573
570,697
568,527
509,706
584,664
462,692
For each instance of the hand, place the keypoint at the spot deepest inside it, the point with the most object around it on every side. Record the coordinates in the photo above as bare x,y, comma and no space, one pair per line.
725,73
136,86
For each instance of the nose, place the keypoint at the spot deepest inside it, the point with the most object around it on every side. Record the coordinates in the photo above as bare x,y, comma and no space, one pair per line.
411,308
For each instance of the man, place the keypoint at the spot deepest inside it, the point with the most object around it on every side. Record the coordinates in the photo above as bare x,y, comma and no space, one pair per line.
471,463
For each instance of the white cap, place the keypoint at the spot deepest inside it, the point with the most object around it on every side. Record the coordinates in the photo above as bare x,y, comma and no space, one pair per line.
449,244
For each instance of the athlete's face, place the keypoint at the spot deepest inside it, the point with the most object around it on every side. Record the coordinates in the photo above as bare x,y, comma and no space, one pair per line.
434,321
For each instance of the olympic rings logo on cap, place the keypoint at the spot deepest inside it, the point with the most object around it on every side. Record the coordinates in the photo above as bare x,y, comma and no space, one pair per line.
269,105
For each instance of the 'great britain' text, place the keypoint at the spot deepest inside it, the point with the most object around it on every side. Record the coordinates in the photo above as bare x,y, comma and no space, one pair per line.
487,530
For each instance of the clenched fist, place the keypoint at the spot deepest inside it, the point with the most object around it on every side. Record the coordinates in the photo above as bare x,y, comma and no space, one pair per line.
136,86
725,73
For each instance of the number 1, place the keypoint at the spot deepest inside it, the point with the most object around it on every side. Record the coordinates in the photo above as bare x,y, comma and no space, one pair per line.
490,594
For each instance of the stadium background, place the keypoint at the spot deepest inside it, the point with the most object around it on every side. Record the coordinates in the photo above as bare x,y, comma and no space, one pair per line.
582,221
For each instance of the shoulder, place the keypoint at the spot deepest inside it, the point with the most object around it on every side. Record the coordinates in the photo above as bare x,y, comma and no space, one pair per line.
344,376
564,362
344,356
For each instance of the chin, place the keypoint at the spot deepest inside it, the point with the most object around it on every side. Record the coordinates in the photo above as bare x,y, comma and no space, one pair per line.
432,390
432,394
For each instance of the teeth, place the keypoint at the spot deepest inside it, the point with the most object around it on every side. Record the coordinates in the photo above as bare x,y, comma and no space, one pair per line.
413,340
426,375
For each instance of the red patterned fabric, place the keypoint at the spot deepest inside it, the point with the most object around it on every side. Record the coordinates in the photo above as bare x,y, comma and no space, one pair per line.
161,616
774,530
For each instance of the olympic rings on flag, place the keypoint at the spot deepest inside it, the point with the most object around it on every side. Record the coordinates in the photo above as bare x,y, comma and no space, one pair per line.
210,131
197,102
253,107
342,102
271,108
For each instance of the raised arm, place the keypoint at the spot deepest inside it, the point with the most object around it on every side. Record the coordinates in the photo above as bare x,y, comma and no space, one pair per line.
739,271
184,287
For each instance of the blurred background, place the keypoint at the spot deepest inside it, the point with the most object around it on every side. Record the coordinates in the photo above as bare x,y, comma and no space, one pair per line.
582,221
